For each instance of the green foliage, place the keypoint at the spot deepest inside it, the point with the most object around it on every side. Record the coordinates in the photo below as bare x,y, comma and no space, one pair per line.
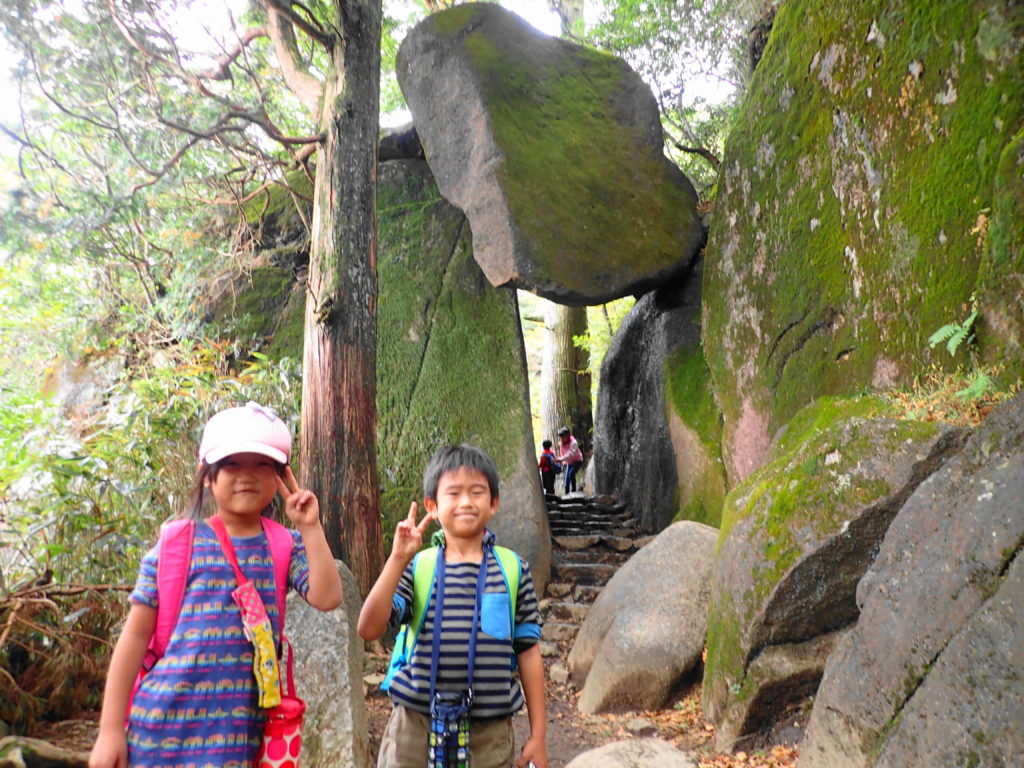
955,334
82,498
692,55
602,323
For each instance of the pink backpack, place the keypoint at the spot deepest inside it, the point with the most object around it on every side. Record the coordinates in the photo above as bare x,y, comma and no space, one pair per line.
175,556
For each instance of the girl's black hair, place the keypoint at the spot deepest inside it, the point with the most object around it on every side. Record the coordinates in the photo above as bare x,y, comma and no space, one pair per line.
449,458
198,507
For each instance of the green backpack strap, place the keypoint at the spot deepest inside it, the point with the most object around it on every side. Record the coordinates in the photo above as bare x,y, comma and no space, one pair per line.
424,570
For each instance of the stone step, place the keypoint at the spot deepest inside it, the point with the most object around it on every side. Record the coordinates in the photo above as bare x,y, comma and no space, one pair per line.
573,543
595,543
560,529
564,611
584,573
585,593
582,515
609,556
558,589
559,632
549,649
619,543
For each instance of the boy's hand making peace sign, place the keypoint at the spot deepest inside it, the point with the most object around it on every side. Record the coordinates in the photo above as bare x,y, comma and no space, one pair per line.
409,534
301,506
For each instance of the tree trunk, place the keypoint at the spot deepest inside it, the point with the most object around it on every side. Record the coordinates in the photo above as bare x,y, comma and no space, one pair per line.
565,382
339,391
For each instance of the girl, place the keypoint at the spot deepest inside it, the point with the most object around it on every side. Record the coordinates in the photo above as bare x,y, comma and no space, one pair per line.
198,705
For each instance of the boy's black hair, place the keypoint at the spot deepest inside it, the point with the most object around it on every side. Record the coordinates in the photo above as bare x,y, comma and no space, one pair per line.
545,444
449,458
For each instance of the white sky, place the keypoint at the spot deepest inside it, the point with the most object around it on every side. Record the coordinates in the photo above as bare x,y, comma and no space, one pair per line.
537,12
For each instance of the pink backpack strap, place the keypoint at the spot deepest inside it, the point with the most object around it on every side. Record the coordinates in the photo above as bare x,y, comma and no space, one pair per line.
280,540
174,558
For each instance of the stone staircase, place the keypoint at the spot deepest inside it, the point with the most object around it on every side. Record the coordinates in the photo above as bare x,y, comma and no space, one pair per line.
591,537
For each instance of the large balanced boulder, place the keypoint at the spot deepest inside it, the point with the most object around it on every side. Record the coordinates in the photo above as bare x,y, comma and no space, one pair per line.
645,632
796,538
554,151
451,366
663,468
871,185
329,678
932,672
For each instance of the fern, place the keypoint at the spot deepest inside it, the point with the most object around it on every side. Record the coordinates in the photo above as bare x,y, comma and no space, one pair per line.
981,384
955,334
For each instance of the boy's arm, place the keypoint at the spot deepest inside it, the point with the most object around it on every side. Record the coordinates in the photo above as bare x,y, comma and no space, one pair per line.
373,618
111,749
531,674
376,610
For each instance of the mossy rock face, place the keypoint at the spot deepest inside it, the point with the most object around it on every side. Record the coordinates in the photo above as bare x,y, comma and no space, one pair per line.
451,367
657,428
874,166
249,306
695,426
801,531
554,151
931,672
1001,285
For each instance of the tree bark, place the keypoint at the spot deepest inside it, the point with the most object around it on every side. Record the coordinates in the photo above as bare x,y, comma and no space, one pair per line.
565,382
339,392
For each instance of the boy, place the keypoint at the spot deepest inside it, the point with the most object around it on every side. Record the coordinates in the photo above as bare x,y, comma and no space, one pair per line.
460,488
547,467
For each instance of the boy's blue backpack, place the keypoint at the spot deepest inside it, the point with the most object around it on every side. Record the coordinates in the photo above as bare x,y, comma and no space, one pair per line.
424,570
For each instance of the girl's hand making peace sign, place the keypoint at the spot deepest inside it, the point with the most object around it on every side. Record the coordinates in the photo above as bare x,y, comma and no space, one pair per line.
301,506
409,534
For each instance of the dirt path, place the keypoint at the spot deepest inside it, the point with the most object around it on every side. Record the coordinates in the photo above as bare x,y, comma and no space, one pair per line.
570,733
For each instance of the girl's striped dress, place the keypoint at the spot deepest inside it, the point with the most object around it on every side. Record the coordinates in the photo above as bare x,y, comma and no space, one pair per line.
197,707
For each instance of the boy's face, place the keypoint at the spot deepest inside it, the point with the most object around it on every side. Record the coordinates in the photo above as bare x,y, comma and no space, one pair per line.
464,504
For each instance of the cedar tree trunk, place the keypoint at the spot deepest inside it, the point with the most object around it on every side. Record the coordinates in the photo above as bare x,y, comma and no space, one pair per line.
565,383
339,391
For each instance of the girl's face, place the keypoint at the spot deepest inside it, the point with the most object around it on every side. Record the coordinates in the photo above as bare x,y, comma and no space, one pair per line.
245,484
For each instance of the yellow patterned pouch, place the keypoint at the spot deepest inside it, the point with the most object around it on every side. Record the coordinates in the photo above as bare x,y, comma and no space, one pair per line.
257,627
256,624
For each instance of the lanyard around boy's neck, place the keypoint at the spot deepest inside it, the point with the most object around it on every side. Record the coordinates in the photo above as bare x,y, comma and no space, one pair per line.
435,646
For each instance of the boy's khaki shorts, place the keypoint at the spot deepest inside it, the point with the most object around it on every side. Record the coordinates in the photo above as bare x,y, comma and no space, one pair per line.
404,743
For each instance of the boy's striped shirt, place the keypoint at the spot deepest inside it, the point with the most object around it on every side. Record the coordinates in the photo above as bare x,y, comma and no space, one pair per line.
496,690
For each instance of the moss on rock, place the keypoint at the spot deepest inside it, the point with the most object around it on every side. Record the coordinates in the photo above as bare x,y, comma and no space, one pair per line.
248,309
449,365
853,201
689,393
567,156
828,492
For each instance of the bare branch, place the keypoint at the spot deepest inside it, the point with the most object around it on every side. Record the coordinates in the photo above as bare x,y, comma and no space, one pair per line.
311,27
296,75
222,68
705,153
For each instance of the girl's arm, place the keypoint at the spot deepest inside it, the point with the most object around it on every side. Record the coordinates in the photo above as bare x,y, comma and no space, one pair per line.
303,509
324,590
111,749
531,674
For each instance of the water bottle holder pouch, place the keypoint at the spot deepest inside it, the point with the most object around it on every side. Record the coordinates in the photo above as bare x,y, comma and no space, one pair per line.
448,746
